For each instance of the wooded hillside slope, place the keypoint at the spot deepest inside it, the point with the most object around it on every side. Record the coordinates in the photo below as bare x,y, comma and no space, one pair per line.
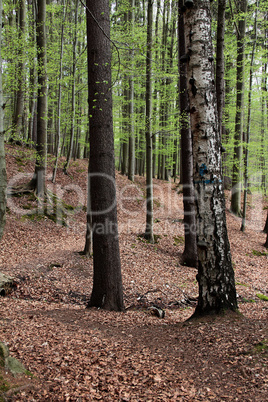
86,355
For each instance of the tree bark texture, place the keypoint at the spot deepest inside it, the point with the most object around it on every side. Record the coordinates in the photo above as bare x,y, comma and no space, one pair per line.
18,127
220,87
58,133
236,179
70,150
41,147
247,140
3,175
149,234
107,290
215,272
189,256
131,140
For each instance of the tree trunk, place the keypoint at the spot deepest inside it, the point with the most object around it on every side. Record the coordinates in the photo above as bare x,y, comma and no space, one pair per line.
58,134
149,234
220,90
125,129
18,126
70,150
107,289
89,241
263,96
155,95
3,176
236,179
215,272
38,181
243,224
32,81
189,256
265,229
131,140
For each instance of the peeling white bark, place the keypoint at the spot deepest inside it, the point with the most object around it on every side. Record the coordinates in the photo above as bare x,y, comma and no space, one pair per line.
215,273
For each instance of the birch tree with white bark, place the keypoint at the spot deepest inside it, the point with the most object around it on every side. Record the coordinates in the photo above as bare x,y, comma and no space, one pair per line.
215,272
3,178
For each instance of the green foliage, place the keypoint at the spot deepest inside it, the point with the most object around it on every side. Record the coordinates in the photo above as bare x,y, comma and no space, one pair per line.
128,42
261,346
178,240
262,297
258,146
259,253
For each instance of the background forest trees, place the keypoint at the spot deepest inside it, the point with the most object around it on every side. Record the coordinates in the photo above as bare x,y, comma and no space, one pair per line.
67,121
147,102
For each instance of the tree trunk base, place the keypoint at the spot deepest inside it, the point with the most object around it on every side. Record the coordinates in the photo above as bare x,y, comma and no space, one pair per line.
213,315
189,260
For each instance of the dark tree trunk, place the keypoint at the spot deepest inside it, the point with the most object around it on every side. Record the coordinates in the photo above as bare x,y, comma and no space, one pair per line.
265,229
89,241
215,272
38,181
107,290
189,256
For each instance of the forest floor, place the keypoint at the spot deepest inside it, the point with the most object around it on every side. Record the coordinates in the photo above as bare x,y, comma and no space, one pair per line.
79,354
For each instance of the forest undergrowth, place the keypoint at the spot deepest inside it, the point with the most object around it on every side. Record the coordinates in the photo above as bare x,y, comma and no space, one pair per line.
79,354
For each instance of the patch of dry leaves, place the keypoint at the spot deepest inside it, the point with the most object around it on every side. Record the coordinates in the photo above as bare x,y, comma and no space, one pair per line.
89,355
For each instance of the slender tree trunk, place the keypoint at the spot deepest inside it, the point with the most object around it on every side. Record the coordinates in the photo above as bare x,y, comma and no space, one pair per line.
243,224
58,134
236,180
107,289
262,158
162,142
131,143
38,181
215,272
18,127
32,83
125,130
189,256
220,87
3,176
70,150
155,95
149,234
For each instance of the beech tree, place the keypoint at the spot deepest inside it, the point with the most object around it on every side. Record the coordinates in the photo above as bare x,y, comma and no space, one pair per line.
189,256
38,181
3,179
107,290
149,235
236,178
215,272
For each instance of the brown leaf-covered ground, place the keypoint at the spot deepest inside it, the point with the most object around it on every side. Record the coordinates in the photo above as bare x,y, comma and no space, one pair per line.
76,354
